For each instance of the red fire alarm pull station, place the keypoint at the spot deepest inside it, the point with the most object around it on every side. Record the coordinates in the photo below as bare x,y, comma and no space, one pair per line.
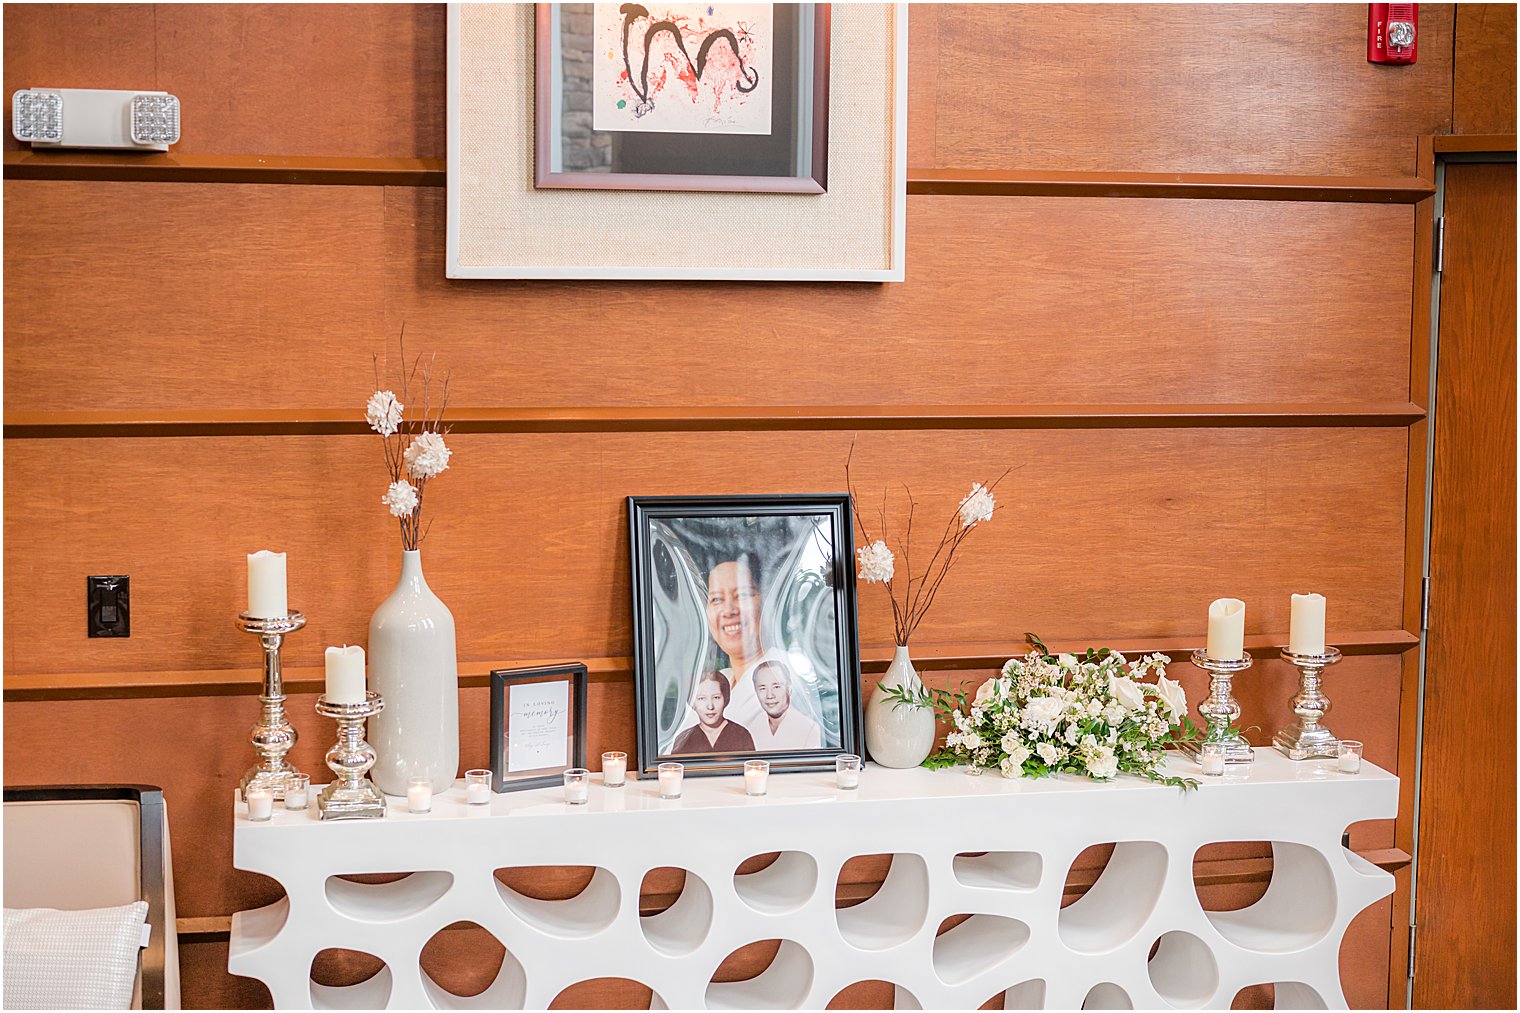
1391,32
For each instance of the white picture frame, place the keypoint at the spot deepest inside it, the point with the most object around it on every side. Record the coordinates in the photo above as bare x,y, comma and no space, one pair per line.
500,227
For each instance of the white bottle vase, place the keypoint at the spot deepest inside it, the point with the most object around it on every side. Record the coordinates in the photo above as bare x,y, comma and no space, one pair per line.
414,668
898,735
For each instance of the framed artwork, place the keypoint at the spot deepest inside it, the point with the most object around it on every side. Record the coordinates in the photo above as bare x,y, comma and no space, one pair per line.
538,725
744,631
679,182
682,97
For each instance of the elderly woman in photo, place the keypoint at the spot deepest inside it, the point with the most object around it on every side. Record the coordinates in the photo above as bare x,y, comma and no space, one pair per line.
713,732
780,725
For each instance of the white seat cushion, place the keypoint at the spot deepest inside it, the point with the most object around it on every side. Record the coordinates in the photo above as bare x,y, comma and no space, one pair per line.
72,959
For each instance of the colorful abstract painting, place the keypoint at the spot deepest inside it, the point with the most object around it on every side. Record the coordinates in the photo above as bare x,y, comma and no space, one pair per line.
683,68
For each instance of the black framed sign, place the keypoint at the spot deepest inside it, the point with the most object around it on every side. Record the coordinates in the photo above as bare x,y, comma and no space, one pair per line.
538,725
744,631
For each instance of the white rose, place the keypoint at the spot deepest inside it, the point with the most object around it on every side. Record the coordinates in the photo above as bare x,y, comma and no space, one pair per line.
1011,767
1066,660
1012,742
1174,696
971,740
1103,764
1127,692
1041,713
1113,714
1017,755
986,691
1048,752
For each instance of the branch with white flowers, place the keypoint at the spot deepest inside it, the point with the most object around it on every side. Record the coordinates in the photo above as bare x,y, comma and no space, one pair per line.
876,564
415,451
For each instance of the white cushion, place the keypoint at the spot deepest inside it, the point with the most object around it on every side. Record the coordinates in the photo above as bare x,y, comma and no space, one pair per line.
72,959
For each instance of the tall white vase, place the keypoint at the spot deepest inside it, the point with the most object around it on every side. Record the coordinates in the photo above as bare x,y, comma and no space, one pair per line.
898,735
413,666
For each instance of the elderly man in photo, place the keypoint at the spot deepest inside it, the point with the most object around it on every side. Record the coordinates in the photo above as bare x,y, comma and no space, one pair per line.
779,724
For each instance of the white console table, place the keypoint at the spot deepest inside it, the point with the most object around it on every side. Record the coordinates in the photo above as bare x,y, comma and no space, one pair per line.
1017,941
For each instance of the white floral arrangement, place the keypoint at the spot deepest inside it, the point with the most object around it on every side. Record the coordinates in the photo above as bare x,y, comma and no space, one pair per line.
1092,715
415,451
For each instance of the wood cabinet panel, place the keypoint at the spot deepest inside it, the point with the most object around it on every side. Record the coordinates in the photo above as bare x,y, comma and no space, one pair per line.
1008,300
1483,79
1212,88
1131,532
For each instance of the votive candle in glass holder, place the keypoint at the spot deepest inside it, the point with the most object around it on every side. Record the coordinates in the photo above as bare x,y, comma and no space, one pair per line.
1211,758
577,785
847,771
1348,757
614,770
477,787
296,794
260,804
419,795
670,779
756,773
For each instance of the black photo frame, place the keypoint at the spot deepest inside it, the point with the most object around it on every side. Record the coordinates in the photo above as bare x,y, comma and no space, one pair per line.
790,558
504,780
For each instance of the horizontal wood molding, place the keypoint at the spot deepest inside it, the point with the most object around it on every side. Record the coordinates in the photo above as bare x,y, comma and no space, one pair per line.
927,658
760,418
1474,142
1221,872
118,167
1186,185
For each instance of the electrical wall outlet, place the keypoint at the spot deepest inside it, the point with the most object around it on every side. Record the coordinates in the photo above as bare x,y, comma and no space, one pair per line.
106,607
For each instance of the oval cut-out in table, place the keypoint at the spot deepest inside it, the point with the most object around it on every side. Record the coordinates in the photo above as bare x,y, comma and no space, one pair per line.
371,993
1114,910
978,944
784,885
1297,910
682,927
608,993
1025,995
387,902
783,985
1183,970
1004,870
585,914
895,913
464,966
868,995
1107,995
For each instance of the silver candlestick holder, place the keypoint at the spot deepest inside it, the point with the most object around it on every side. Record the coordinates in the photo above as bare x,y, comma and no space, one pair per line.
273,736
352,796
1308,738
1220,710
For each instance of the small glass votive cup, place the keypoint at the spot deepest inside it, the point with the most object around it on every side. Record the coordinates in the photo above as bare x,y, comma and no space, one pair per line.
419,795
477,787
1211,756
296,794
614,770
670,779
577,786
847,771
1348,757
756,774
260,804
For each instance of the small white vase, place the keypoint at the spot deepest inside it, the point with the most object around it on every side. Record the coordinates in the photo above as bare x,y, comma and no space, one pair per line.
414,668
898,735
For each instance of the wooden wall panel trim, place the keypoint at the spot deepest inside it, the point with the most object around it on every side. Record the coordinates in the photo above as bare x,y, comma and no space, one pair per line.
1474,142
930,658
429,172
177,515
1251,302
673,419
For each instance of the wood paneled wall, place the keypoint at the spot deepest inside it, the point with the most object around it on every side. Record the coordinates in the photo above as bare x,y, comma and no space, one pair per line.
1201,396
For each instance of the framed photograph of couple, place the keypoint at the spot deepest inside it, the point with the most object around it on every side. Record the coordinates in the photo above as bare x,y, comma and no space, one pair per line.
744,631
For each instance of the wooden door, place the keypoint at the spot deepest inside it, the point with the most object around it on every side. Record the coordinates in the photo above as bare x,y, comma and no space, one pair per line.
1465,900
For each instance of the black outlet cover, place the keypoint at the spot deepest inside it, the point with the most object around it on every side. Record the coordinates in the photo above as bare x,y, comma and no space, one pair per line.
106,607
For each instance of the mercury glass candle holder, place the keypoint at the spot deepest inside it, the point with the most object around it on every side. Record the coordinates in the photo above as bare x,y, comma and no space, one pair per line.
1307,737
1220,711
352,795
272,737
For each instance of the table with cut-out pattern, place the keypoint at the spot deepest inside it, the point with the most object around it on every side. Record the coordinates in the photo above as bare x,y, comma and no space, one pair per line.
996,849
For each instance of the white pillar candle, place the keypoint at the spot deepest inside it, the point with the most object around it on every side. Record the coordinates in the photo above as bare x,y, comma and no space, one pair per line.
345,674
614,769
266,584
1306,628
1227,630
260,803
